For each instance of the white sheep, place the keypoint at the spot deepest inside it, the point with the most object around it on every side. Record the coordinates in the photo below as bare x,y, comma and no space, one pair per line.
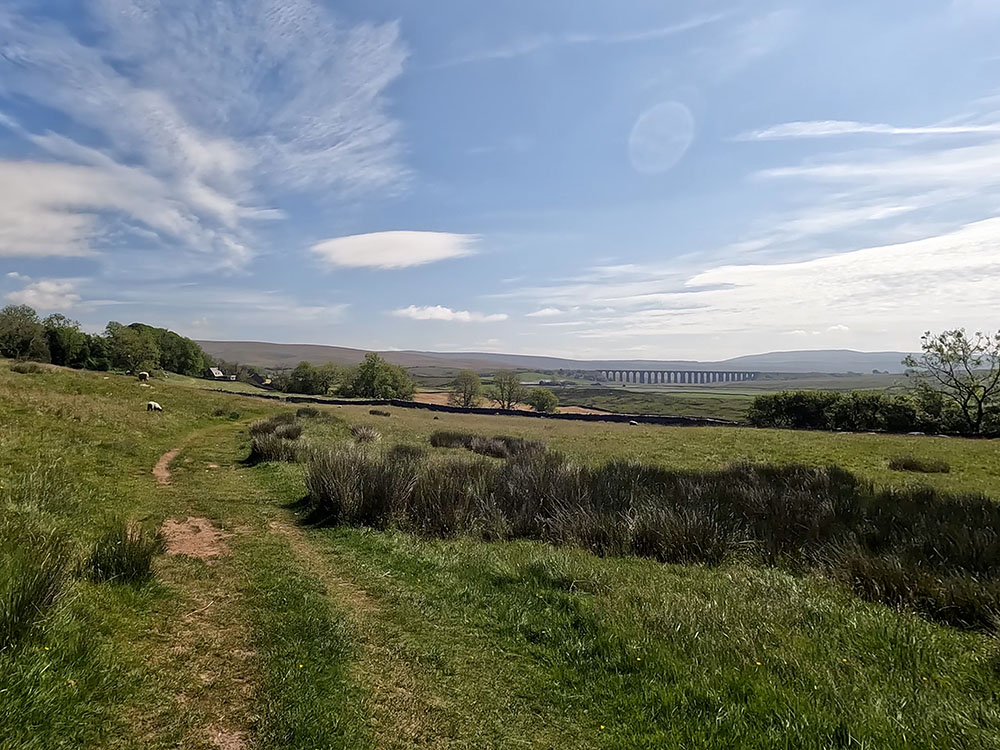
153,406
143,377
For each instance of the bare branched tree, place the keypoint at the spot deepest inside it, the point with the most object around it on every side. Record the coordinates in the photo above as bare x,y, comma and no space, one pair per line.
962,369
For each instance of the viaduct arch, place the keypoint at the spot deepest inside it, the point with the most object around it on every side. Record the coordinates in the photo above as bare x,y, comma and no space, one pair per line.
687,377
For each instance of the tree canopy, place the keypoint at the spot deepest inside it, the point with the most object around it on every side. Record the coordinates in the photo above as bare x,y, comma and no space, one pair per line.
376,378
466,390
507,389
960,371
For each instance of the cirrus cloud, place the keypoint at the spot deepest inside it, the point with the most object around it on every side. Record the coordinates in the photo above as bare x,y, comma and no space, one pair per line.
391,250
441,313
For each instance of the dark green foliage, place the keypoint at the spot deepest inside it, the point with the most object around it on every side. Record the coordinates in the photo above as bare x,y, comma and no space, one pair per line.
379,413
123,554
376,378
936,553
22,335
500,446
542,400
858,411
308,412
309,379
34,566
922,465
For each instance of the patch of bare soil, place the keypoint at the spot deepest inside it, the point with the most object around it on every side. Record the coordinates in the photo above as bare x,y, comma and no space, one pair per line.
162,469
228,740
194,537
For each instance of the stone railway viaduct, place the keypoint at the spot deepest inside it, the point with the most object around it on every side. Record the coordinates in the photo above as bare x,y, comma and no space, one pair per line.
676,376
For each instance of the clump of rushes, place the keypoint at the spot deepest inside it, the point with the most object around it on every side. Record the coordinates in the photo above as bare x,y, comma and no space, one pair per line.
499,446
931,551
122,554
307,412
28,368
274,439
379,413
922,465
362,433
36,566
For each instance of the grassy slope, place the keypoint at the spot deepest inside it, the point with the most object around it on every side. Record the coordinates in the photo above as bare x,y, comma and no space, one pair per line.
332,638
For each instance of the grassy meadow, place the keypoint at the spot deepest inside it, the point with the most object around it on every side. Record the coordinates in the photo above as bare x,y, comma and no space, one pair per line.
278,634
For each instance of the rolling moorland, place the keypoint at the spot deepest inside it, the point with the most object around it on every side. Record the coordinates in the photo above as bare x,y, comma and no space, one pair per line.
276,617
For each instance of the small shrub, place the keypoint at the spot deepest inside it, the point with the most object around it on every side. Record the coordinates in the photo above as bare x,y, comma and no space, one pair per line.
363,433
36,566
123,554
28,368
289,431
379,413
261,427
307,412
272,447
220,412
922,465
234,415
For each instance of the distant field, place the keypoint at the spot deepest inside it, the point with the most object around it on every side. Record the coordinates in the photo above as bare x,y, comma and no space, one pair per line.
291,636
233,386
715,405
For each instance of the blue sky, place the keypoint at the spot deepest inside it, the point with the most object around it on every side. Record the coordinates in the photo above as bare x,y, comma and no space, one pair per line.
569,177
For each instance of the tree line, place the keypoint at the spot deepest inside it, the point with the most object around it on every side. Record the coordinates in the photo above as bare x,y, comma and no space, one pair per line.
955,389
58,340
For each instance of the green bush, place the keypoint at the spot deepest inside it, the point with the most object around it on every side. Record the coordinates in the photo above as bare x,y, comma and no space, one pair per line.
123,554
857,411
543,400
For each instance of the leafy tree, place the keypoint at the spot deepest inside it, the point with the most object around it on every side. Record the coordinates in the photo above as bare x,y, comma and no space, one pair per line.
307,378
177,353
507,389
22,334
376,378
543,400
68,345
132,349
466,390
960,370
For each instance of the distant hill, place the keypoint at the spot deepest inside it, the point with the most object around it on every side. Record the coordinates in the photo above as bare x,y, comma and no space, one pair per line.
277,356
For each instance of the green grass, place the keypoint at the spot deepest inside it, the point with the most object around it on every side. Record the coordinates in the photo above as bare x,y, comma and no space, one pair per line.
408,642
683,404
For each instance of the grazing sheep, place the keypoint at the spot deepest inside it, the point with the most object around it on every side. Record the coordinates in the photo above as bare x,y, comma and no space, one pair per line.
153,406
143,377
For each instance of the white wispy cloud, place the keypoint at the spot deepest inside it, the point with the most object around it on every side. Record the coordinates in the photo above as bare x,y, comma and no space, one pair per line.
208,107
876,294
47,295
391,250
528,45
546,312
438,312
828,128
